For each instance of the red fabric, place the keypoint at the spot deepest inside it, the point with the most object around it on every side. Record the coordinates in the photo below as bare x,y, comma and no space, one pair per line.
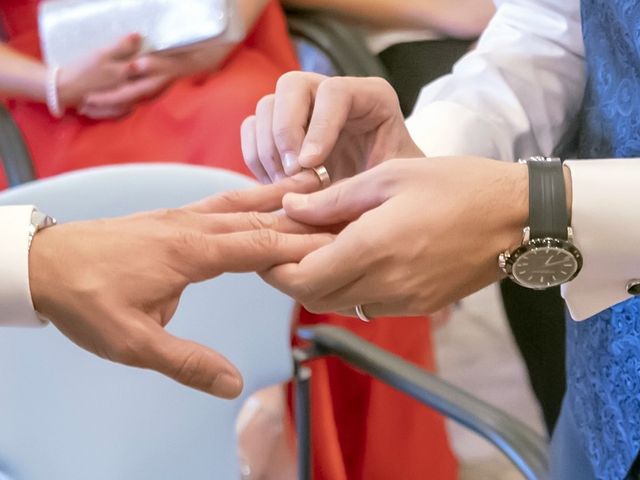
381,434
361,429
195,121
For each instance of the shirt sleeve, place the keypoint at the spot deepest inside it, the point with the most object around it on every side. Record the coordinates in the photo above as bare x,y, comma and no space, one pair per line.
16,307
517,94
607,232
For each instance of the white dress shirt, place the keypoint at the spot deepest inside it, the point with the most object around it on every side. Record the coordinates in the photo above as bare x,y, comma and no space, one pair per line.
518,95
16,307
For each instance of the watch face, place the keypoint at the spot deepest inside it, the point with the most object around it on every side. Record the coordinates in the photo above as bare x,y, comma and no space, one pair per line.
545,263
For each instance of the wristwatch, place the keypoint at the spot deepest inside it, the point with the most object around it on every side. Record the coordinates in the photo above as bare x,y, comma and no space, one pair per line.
547,256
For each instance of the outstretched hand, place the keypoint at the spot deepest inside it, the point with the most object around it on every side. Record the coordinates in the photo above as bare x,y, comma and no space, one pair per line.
112,285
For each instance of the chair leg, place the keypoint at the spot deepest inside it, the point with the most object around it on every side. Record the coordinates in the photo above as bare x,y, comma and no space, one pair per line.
303,421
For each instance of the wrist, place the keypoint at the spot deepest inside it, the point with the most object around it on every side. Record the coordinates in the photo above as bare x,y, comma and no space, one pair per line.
517,207
40,282
68,96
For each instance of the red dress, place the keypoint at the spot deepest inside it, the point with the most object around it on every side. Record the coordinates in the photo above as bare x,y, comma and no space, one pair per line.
361,429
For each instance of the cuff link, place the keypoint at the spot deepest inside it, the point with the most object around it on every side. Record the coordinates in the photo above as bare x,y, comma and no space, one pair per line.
633,287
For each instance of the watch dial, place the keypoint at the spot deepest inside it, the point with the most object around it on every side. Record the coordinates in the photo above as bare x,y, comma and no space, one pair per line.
544,267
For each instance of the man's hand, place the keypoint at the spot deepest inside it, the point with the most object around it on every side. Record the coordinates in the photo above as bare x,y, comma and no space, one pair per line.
347,124
112,285
424,233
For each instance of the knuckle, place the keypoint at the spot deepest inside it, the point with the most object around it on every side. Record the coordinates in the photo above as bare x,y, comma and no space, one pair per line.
267,152
167,214
380,82
248,126
189,241
261,221
333,85
305,293
266,239
230,198
287,137
295,79
187,370
290,77
265,103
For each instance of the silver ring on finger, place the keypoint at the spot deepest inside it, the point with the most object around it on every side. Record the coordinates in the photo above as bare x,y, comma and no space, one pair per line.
361,315
323,175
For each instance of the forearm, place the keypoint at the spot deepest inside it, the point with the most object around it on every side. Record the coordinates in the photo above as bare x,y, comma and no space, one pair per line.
20,75
516,95
460,18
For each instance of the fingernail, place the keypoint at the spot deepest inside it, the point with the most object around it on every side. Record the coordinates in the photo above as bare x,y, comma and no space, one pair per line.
290,163
226,385
309,150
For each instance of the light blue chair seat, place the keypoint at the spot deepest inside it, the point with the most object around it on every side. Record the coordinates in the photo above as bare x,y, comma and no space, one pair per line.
67,415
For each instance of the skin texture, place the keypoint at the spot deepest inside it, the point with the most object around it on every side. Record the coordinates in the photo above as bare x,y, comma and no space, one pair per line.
112,285
420,236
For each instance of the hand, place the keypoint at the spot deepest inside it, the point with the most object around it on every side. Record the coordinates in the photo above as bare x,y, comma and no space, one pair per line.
424,233
112,285
152,74
107,69
347,124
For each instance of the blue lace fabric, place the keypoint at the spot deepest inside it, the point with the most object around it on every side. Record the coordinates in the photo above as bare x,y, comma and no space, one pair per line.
603,352
603,386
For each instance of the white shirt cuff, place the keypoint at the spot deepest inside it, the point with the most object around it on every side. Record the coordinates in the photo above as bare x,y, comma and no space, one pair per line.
607,232
16,307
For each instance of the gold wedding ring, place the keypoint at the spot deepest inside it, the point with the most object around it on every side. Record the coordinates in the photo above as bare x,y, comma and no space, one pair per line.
323,176
361,315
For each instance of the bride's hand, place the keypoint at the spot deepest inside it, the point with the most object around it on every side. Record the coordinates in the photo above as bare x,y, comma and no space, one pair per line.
105,70
153,74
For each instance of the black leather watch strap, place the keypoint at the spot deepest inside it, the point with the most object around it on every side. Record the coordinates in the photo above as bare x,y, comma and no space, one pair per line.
548,216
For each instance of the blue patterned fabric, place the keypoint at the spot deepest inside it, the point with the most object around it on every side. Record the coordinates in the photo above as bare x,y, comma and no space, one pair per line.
603,352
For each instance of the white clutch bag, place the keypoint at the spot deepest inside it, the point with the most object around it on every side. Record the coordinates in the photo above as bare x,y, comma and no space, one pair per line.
72,29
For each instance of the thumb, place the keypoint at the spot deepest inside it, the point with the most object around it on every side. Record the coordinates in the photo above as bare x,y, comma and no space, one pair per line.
193,365
345,201
125,48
